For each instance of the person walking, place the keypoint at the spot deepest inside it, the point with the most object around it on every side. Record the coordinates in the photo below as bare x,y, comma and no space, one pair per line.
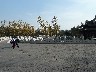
13,43
17,41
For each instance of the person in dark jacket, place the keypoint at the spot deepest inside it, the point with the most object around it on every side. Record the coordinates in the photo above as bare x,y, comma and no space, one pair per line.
15,43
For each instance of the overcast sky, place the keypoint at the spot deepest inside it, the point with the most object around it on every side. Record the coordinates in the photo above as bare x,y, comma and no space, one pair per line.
69,12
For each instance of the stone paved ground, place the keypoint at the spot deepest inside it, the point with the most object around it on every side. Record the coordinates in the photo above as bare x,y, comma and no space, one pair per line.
48,58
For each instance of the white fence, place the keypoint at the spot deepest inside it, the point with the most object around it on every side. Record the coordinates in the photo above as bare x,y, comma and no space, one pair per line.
59,40
51,40
3,38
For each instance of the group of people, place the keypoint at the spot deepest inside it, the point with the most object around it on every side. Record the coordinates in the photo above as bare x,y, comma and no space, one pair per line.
14,42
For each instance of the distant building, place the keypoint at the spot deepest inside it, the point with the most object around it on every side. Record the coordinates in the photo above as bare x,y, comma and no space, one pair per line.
89,29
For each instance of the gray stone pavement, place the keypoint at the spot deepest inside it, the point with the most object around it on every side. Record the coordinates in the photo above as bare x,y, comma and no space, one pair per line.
48,58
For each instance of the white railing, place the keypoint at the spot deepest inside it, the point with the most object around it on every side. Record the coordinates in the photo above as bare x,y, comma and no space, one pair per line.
65,41
3,39
50,40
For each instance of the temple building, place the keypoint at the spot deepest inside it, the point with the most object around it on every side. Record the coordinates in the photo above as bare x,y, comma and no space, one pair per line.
89,29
